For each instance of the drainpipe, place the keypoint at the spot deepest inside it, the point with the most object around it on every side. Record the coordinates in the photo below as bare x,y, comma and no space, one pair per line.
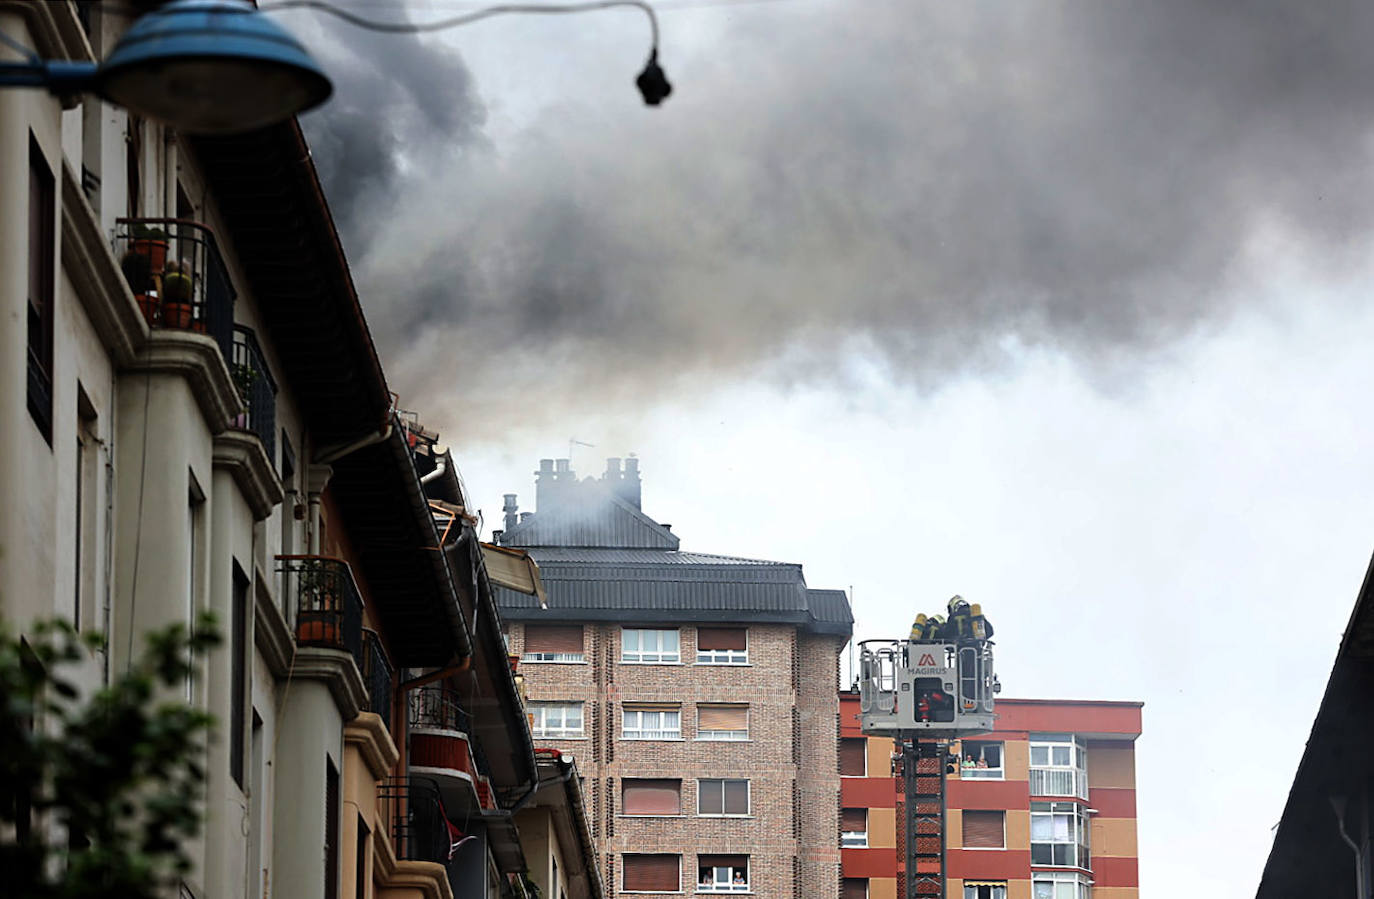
1338,806
338,451
438,472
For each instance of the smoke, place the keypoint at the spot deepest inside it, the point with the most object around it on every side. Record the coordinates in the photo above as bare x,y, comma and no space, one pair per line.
924,182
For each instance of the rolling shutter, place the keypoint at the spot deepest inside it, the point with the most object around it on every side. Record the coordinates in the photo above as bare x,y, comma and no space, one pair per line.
983,830
723,717
854,820
854,888
642,796
553,638
721,638
655,873
852,752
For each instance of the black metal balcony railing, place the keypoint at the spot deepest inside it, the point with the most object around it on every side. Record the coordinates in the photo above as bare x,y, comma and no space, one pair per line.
415,814
377,673
176,273
438,707
256,387
324,601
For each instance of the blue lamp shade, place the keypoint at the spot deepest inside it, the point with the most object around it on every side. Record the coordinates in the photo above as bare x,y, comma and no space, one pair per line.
212,67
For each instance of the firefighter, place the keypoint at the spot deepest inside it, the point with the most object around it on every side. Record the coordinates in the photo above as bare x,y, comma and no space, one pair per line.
960,618
918,628
935,627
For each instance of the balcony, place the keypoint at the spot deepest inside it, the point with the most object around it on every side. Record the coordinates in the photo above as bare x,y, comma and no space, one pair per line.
444,749
175,271
377,676
1059,782
257,388
416,821
323,603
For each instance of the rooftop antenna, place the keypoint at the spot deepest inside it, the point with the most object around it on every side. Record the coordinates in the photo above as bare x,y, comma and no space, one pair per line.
572,442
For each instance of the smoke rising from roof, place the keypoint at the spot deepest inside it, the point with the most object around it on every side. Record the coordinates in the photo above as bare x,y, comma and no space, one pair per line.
926,181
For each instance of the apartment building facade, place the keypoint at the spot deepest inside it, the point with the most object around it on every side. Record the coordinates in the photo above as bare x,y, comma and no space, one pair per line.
193,418
695,691
1043,807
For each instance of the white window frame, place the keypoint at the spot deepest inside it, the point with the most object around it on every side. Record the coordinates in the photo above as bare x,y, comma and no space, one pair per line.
748,798
1079,826
855,839
994,887
539,727
727,885
565,658
1079,883
658,655
725,656
976,747
639,730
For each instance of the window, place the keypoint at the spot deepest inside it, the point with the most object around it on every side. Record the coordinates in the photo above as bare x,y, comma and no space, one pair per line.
854,828
1059,834
331,830
556,719
984,829
854,888
651,723
42,277
651,873
87,472
553,643
722,722
722,873
985,889
1058,885
643,646
238,678
1058,766
360,875
722,646
981,761
646,796
853,756
716,798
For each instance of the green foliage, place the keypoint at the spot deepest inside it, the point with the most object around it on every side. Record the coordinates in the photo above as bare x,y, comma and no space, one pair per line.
119,770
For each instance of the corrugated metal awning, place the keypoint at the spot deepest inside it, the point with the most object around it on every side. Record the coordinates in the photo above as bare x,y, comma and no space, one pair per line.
514,570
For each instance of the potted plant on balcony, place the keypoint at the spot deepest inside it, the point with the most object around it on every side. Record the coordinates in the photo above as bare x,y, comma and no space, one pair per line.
152,243
319,606
245,376
138,271
176,294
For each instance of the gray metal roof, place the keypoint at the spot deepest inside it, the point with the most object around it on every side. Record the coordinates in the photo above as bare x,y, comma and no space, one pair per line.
600,519
622,557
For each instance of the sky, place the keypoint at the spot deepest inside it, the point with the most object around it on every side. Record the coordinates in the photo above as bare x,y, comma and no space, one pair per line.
1058,306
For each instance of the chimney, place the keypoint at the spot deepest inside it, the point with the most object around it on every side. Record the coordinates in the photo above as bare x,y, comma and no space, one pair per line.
627,488
511,508
543,484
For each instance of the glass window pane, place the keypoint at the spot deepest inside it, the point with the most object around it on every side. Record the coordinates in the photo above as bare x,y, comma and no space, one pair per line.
1040,755
1043,890
1041,854
1062,756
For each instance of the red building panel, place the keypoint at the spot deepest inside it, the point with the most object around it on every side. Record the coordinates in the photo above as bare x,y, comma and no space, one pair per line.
868,792
868,862
1112,802
987,793
1115,872
988,864
1069,716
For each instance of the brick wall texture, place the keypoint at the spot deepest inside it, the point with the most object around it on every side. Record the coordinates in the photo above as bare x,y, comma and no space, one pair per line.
790,758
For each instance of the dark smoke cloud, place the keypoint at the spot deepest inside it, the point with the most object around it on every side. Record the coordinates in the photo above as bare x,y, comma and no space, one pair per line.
922,180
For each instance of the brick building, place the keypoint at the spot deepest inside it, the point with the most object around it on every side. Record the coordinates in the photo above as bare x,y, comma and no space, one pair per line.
698,693
1047,811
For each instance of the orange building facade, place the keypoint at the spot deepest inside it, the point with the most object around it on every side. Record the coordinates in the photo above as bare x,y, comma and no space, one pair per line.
1041,808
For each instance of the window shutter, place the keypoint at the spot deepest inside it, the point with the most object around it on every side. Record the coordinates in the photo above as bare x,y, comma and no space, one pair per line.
721,638
737,797
854,820
651,873
722,861
553,638
983,830
852,752
723,717
642,796
854,888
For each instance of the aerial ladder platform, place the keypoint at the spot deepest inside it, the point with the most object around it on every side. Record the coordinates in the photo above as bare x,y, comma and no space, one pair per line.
924,692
